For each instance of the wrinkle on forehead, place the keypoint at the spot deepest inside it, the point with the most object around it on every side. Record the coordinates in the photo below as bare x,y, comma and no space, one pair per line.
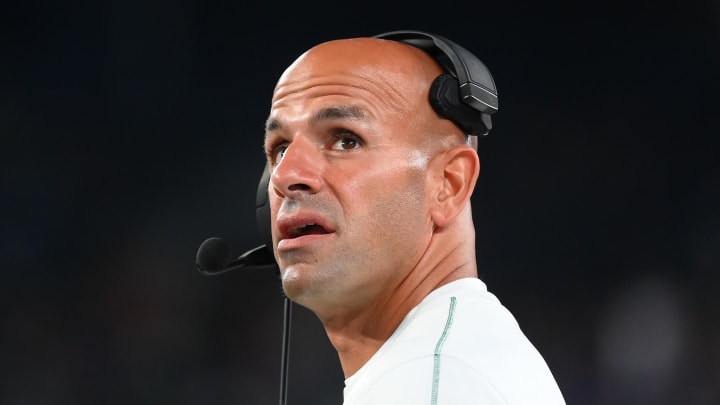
350,112
377,90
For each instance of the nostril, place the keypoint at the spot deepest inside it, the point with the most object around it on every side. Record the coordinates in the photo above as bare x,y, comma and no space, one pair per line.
299,187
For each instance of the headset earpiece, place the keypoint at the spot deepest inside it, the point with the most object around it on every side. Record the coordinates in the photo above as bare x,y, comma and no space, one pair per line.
445,100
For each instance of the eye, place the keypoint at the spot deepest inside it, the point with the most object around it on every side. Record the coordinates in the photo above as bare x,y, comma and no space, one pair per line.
346,141
277,153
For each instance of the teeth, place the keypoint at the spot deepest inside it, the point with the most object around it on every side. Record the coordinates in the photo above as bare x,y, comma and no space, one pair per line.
298,230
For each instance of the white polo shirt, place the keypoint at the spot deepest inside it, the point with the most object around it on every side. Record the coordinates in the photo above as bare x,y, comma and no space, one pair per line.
458,346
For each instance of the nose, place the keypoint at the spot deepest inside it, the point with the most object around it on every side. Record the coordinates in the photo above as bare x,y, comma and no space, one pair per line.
299,170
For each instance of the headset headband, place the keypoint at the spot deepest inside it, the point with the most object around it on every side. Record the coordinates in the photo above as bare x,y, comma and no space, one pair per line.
469,97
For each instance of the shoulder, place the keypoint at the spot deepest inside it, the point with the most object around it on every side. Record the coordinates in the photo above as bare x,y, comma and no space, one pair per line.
459,345
484,345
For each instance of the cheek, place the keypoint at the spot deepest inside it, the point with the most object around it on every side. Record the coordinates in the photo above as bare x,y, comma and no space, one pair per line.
387,209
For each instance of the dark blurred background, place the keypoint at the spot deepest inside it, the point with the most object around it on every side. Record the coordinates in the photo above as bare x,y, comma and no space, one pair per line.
132,131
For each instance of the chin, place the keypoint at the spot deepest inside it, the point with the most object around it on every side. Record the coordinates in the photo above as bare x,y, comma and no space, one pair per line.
307,289
297,284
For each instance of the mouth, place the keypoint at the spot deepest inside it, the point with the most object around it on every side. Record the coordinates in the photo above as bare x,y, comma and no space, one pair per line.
307,229
298,226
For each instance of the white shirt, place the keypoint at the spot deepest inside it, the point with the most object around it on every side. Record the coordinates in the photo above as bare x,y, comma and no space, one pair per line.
458,346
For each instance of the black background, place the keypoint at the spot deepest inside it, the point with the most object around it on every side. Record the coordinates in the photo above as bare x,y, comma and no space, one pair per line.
131,131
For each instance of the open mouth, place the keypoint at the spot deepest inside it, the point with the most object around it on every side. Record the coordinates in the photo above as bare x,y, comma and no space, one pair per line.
307,229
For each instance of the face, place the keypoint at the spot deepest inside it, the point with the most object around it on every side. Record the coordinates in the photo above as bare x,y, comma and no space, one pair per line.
348,176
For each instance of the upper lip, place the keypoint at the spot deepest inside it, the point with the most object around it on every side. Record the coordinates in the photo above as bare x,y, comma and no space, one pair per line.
290,226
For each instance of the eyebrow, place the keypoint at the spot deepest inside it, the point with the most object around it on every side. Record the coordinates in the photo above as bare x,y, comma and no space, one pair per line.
350,112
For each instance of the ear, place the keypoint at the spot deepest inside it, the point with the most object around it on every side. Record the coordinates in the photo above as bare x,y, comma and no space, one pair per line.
458,170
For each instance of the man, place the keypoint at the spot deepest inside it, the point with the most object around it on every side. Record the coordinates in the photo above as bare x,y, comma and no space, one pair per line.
372,230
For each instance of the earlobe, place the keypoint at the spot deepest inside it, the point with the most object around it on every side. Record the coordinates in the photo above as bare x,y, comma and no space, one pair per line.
460,170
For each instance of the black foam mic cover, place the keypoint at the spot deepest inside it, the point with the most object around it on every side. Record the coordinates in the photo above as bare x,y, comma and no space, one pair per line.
214,257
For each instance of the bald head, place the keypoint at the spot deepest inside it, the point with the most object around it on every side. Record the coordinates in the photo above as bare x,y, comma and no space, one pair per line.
395,78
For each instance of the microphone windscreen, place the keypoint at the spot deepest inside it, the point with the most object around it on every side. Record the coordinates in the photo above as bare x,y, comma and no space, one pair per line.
213,255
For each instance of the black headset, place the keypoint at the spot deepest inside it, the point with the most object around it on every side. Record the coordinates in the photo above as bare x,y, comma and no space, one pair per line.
465,94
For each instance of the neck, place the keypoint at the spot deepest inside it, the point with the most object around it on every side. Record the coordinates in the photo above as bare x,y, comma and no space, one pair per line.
358,334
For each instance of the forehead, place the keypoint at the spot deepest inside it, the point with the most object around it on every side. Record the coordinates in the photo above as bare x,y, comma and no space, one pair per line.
329,113
374,75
